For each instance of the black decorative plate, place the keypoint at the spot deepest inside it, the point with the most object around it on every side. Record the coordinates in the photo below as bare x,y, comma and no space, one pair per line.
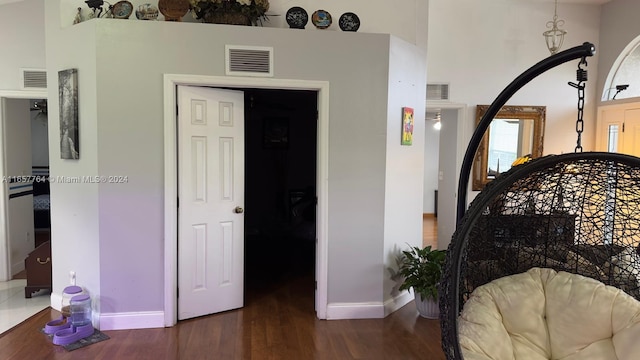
297,17
349,22
321,19
122,10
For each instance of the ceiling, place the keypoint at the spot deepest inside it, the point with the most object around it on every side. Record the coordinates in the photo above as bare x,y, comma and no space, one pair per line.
579,2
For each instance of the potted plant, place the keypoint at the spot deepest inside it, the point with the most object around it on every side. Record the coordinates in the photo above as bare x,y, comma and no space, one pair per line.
235,12
422,270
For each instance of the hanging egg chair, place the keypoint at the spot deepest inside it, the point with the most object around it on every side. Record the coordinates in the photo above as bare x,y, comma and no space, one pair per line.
544,264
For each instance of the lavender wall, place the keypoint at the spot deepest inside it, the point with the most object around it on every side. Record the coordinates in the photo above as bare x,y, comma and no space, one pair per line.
129,142
75,239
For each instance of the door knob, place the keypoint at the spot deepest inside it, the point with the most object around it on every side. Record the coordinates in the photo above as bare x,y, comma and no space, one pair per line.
238,210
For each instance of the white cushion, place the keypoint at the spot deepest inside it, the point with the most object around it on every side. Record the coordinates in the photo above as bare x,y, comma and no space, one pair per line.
627,262
544,314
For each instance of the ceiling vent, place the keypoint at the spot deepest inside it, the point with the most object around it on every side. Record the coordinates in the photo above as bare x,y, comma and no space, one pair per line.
248,60
33,79
438,92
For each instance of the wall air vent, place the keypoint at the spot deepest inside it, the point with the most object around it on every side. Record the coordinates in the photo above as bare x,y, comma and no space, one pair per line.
437,92
248,60
33,79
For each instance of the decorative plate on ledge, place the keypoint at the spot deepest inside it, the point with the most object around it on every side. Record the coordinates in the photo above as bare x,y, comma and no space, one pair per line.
147,12
349,22
321,19
122,10
297,17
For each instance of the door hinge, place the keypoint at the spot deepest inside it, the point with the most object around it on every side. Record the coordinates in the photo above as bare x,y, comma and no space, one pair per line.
177,111
316,284
623,127
177,292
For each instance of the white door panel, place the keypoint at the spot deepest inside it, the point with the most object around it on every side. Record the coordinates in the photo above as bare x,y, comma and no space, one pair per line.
631,142
211,196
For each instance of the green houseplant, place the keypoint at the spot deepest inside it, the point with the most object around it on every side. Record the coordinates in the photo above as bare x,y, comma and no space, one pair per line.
236,12
421,269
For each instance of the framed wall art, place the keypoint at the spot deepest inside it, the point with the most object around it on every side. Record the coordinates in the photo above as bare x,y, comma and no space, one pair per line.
68,95
407,126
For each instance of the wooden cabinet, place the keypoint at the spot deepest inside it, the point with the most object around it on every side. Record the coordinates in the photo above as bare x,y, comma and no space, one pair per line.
38,268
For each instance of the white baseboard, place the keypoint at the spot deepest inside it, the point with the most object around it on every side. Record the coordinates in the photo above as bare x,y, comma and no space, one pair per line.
368,310
16,268
343,311
120,321
397,302
132,320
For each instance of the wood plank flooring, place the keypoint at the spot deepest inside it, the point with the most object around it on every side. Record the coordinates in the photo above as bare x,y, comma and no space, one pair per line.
277,322
430,231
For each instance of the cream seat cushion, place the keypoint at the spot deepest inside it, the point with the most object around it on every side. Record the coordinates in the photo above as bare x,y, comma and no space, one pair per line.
544,314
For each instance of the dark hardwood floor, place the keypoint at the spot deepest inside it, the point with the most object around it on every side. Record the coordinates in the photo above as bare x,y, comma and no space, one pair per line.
277,322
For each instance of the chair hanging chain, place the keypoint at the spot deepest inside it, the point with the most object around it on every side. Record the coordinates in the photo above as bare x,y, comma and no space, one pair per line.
581,76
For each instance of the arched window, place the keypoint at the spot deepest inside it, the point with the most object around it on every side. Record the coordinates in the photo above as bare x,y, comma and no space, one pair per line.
623,80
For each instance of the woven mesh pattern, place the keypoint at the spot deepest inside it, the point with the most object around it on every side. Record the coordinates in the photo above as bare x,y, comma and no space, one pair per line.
578,213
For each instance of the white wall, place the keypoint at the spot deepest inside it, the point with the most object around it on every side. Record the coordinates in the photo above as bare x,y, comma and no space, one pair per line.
17,138
22,43
619,26
431,156
448,183
21,40
482,49
39,139
404,163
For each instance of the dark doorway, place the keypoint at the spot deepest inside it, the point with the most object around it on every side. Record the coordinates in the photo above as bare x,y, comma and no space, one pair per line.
280,190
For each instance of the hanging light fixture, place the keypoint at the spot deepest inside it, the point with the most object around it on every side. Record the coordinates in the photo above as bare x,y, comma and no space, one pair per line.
554,36
438,122
41,107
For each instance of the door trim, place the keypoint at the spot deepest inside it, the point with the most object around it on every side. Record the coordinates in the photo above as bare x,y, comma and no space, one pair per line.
5,271
170,83
447,219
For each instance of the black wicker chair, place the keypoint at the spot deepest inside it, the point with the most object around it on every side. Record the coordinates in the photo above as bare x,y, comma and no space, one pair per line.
577,212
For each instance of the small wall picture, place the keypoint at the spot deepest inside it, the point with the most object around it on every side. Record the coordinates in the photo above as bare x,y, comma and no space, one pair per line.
407,126
68,94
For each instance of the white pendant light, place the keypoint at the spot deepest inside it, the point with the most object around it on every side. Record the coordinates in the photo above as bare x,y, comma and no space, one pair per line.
438,123
554,36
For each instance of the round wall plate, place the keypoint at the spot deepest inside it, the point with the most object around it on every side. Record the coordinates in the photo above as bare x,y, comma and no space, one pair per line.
349,22
297,17
122,10
321,19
